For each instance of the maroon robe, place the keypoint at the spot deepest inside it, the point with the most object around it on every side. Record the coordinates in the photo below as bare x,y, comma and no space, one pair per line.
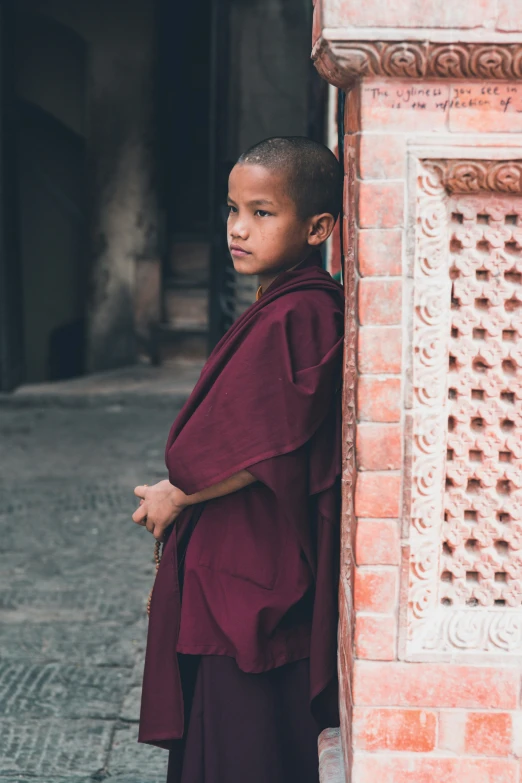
261,568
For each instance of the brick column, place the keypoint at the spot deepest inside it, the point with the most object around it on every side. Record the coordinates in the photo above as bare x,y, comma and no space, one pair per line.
431,594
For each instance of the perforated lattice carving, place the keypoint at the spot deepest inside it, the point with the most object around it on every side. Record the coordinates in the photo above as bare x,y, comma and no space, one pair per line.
463,475
481,563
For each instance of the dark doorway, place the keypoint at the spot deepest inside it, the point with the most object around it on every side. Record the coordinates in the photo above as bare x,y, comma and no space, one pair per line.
231,72
11,316
184,67
184,31
51,166
263,85
50,153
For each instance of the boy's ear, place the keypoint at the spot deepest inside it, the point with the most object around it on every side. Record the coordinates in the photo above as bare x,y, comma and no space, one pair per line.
320,228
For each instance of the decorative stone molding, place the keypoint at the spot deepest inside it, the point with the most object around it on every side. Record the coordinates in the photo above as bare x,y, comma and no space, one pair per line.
342,62
465,490
474,176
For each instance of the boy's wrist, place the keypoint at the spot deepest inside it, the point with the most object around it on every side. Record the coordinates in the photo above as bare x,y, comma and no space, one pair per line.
178,498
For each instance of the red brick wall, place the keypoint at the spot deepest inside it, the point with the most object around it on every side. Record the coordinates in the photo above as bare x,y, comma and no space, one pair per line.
407,717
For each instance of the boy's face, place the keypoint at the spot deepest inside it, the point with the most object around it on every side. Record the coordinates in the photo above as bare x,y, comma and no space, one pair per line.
265,234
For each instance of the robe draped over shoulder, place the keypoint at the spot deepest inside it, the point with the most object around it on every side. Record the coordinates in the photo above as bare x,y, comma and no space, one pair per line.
261,569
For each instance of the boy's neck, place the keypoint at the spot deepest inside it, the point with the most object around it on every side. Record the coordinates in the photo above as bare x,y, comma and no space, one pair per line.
266,280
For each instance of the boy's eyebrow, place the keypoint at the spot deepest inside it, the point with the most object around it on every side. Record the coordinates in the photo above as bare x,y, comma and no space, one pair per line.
254,202
257,201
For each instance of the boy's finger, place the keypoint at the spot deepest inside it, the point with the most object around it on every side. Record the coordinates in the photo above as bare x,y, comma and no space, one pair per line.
140,515
140,490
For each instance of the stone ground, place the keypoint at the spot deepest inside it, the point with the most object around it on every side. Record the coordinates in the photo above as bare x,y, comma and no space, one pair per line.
75,573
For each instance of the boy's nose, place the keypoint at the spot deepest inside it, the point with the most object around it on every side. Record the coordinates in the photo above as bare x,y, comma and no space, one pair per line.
239,229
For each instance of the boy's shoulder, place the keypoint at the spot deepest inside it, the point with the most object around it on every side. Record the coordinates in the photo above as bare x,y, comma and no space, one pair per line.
306,317
306,302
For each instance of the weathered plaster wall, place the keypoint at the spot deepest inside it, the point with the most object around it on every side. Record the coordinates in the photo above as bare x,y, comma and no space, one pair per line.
124,220
481,18
431,594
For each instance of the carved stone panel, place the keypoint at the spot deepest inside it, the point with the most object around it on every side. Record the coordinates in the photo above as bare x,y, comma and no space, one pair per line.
465,569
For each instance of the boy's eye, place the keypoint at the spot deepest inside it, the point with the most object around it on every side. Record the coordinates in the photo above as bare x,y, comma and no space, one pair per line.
262,213
226,210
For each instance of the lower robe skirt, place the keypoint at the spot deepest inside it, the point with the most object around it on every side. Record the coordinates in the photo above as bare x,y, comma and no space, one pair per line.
245,728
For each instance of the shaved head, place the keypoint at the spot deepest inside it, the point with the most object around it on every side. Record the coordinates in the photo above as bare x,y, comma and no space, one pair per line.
312,172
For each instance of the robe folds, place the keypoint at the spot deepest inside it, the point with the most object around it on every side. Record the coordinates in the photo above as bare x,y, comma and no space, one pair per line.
259,567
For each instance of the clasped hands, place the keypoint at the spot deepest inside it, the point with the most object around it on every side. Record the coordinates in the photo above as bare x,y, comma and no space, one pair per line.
160,505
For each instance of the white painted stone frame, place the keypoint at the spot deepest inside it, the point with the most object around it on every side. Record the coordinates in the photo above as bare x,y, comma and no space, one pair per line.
429,631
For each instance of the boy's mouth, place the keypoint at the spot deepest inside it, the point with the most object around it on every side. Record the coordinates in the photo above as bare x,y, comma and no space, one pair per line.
237,250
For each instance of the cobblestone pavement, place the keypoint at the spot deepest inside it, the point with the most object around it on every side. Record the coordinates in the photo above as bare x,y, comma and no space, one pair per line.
74,577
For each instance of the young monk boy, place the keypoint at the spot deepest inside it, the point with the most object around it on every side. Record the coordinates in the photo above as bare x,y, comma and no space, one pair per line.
240,672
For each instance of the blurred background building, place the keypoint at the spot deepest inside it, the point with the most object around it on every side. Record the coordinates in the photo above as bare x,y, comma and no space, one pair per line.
120,122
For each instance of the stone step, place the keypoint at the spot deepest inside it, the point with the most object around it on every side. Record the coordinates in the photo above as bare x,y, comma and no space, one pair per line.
137,385
180,342
190,260
186,308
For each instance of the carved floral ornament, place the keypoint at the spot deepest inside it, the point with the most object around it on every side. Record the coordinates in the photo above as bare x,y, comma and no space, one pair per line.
341,62
474,176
